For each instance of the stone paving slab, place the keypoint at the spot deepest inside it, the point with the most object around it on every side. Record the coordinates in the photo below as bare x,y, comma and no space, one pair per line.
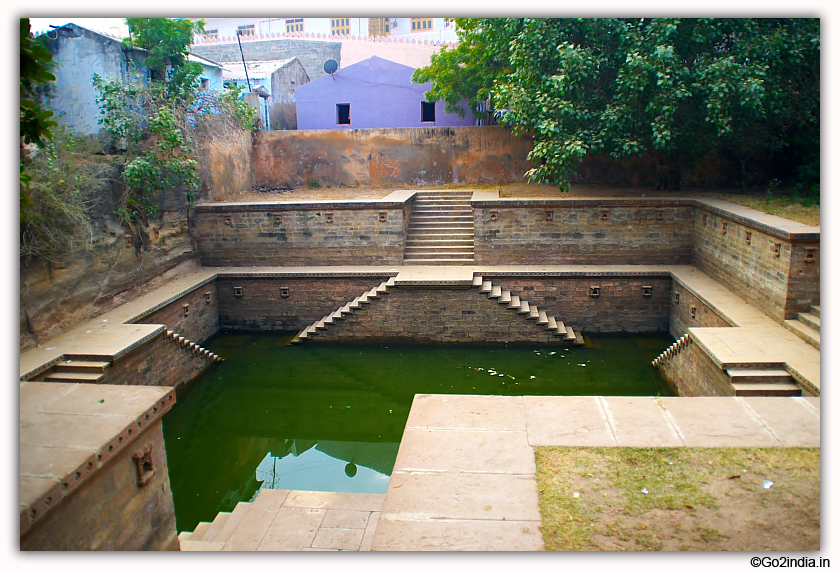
573,420
469,451
458,535
792,425
466,412
640,422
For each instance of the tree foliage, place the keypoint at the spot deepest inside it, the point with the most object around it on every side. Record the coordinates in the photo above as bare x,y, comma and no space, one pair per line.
623,87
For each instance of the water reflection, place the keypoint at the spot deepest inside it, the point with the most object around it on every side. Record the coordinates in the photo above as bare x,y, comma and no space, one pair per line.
341,466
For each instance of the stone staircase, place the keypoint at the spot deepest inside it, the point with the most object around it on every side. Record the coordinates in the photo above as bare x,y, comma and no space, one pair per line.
526,310
673,350
185,343
440,229
78,371
752,382
280,520
339,314
806,326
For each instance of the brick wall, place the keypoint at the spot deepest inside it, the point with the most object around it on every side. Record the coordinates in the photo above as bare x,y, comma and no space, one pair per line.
780,285
681,306
421,315
198,323
159,362
110,512
691,372
300,234
513,231
620,306
262,305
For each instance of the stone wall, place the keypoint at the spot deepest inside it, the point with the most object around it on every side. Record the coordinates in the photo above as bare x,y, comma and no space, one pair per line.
423,315
110,511
199,322
687,310
620,306
225,159
326,233
417,156
591,231
262,305
764,265
159,362
692,372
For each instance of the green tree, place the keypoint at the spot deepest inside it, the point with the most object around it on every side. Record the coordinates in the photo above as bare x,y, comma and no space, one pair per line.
622,87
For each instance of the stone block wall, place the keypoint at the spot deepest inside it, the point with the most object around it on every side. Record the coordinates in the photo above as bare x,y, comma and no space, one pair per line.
687,310
522,231
263,306
110,511
159,362
435,316
692,372
619,307
300,234
743,256
198,322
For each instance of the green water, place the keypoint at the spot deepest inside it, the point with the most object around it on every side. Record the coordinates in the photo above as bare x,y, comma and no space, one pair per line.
330,418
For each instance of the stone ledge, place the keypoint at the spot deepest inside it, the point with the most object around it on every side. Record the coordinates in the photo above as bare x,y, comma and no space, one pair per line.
774,225
61,451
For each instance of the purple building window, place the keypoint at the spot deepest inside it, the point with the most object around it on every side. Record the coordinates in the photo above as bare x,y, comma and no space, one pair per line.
427,112
343,113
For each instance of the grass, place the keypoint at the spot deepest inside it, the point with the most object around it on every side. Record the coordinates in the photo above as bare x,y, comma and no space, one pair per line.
800,209
669,498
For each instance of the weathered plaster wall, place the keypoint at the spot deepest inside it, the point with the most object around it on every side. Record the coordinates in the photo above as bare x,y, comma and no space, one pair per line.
328,233
742,255
284,84
592,231
311,53
420,156
225,160
262,306
110,511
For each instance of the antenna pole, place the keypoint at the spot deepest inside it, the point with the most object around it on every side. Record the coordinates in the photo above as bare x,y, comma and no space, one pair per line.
238,33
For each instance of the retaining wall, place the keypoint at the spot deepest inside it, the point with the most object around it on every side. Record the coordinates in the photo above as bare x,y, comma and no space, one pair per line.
773,268
262,305
593,231
194,315
687,310
318,233
417,156
692,372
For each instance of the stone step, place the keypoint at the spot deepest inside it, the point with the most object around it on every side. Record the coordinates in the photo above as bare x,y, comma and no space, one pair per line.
421,217
745,376
477,281
201,546
200,531
579,340
430,254
542,318
514,302
439,233
216,527
184,535
803,331
392,282
570,334
770,389
815,309
533,312
443,208
363,299
552,324
486,286
505,298
443,203
412,241
439,261
812,321
561,329
414,226
439,248
495,292
88,366
444,193
232,522
80,377
524,308
320,325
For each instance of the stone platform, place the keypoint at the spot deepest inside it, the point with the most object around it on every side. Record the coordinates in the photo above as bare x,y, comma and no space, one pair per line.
465,478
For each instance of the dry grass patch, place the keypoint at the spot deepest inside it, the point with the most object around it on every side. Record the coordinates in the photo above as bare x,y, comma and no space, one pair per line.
679,498
796,209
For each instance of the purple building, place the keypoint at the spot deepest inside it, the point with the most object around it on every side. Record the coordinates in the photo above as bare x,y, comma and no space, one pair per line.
374,93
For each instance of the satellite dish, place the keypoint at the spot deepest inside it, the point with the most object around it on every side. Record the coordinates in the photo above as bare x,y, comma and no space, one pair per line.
331,66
